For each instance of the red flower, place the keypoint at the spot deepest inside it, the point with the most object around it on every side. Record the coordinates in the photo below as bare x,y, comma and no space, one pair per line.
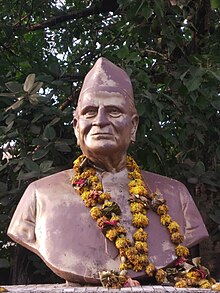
202,273
180,261
79,183
111,223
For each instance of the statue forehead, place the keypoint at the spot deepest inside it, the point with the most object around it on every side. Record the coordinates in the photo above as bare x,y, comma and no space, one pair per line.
101,98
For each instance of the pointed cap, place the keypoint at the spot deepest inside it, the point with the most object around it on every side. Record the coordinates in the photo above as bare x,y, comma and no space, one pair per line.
106,76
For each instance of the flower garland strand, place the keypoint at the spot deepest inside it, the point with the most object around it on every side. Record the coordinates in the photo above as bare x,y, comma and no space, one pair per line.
107,214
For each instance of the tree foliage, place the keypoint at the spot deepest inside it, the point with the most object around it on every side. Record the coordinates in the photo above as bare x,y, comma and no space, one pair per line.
170,48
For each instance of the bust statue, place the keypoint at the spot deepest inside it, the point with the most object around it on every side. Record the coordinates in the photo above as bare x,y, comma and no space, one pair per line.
52,218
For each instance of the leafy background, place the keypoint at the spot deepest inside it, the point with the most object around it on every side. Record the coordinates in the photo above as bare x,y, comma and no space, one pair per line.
170,49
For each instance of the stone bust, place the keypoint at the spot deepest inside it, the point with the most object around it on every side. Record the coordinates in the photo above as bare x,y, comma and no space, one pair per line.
51,219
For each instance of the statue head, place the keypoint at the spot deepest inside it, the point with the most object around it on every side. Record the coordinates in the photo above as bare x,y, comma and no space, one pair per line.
105,120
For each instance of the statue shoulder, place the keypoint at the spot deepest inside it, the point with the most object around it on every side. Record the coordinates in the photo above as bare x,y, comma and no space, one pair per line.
161,179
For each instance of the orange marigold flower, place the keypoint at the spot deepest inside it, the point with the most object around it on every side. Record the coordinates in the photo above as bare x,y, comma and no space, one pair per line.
140,220
165,220
177,238
181,283
141,246
115,218
173,227
182,251
140,235
138,267
137,207
162,209
160,276
95,213
123,266
122,242
150,270
140,190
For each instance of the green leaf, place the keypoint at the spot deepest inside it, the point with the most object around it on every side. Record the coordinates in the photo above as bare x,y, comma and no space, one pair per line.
193,83
31,165
45,166
123,52
215,4
39,154
199,168
49,132
62,147
29,82
14,86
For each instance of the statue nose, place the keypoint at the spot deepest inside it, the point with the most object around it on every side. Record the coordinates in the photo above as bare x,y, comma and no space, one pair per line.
101,118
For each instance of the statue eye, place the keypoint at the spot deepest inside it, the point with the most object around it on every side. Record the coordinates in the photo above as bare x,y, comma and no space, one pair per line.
114,112
90,112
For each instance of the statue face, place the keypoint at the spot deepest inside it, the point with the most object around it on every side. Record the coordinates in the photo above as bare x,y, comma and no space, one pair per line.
104,123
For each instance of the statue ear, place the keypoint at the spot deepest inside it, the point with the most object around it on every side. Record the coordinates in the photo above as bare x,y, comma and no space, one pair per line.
76,128
134,121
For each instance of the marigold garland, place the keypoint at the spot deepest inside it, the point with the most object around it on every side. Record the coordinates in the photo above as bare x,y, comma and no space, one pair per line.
107,215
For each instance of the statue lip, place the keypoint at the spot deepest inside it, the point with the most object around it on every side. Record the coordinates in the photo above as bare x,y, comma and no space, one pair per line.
102,133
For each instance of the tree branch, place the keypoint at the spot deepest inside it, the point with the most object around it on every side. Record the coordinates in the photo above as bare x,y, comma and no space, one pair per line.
53,21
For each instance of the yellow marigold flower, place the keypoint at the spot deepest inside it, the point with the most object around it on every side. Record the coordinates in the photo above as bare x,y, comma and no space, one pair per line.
134,175
160,276
140,220
99,186
141,246
121,230
150,270
104,196
181,284
193,275
136,182
93,179
173,227
204,284
88,174
140,235
101,221
107,204
138,267
111,234
85,195
140,190
192,282
182,251
122,242
143,258
115,218
131,253
123,266
95,213
137,207
162,209
165,220
177,238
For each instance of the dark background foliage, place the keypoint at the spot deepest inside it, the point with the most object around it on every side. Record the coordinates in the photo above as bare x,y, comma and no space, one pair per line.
170,48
